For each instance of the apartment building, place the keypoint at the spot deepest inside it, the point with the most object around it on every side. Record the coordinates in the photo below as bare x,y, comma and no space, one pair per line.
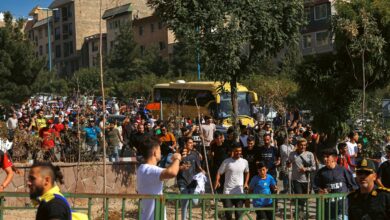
151,32
148,31
316,35
37,31
76,21
90,50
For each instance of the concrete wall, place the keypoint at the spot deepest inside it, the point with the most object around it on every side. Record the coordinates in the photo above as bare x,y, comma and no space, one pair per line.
85,178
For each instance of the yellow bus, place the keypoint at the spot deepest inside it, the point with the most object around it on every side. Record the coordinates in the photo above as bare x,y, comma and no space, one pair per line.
178,99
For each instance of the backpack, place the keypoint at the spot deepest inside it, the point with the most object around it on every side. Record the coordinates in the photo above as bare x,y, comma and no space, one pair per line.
75,215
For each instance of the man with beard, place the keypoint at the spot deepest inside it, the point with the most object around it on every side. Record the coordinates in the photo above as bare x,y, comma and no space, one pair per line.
302,163
269,155
44,192
236,170
139,138
219,153
250,153
368,202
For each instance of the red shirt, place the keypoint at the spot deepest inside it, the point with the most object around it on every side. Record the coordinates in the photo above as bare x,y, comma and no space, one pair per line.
345,161
48,136
59,127
5,161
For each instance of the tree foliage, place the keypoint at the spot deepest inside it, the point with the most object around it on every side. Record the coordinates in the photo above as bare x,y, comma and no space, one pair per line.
331,84
124,61
232,36
19,65
50,82
87,81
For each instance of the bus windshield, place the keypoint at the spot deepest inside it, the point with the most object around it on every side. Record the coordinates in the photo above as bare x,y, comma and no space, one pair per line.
225,107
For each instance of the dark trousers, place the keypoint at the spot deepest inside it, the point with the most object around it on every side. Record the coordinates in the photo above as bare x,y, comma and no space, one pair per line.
264,215
299,188
237,203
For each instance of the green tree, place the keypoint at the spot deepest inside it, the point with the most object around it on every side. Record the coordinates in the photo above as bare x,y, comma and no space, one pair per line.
362,32
86,81
184,60
49,82
232,36
19,65
125,61
154,62
358,37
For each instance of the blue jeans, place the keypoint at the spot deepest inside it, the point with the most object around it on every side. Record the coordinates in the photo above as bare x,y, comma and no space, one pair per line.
114,157
184,202
166,160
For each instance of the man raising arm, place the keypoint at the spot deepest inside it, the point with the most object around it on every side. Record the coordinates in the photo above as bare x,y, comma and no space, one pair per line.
150,177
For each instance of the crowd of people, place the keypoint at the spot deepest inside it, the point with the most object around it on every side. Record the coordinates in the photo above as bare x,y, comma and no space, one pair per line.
296,155
201,157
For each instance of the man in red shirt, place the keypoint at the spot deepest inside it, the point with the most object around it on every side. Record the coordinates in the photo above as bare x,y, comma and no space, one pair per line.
48,135
344,159
6,165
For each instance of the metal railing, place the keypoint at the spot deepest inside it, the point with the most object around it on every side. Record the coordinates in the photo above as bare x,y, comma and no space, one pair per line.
284,206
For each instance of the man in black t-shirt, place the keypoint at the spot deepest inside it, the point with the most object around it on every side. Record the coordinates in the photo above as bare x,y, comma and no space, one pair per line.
219,153
250,153
269,155
384,171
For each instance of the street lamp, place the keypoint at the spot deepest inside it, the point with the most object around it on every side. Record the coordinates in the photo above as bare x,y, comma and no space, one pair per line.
48,32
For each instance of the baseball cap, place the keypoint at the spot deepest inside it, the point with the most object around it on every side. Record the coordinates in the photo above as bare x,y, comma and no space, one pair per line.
365,165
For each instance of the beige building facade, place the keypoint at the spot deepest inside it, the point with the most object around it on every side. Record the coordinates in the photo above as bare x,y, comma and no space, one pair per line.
37,31
75,22
316,35
148,31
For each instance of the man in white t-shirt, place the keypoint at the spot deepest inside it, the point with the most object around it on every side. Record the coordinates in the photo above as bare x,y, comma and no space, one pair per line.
207,131
352,147
236,170
150,177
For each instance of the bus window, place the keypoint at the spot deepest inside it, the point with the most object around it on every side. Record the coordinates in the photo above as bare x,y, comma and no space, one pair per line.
225,107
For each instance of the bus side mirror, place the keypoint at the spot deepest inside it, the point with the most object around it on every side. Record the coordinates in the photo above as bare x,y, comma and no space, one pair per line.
253,97
217,99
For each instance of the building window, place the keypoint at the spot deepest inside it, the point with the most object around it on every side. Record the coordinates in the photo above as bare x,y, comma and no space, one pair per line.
65,31
58,51
306,15
57,33
321,11
306,41
40,33
160,25
68,48
64,12
95,46
162,45
141,30
152,28
57,15
40,50
322,38
47,48
142,48
70,29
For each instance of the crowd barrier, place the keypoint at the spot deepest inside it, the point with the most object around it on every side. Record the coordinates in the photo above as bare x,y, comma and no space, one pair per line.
127,206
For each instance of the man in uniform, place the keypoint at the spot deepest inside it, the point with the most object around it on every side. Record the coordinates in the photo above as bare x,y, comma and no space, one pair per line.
368,202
